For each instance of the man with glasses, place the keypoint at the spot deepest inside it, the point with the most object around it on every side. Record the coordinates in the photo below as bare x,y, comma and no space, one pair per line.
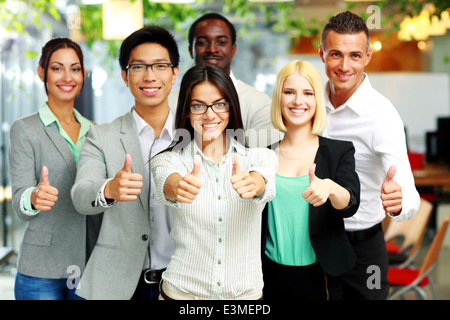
114,176
212,40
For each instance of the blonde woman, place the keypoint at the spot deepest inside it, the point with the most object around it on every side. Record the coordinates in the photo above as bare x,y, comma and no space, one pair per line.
305,247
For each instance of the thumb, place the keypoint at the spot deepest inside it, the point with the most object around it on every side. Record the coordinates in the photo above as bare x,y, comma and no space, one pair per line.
390,174
312,173
235,164
127,165
44,175
197,165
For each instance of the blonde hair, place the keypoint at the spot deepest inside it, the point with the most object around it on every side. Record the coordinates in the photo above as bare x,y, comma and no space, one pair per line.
307,70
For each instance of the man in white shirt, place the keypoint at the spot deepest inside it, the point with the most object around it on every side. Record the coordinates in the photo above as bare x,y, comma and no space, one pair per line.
357,112
212,40
113,176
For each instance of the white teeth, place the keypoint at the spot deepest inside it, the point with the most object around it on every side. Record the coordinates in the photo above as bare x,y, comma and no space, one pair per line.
210,125
149,89
66,87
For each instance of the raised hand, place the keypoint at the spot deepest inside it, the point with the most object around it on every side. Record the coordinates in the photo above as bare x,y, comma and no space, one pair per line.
44,196
189,186
126,186
391,193
319,189
242,181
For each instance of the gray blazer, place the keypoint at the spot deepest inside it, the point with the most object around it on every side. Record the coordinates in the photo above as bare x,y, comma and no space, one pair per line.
116,263
53,240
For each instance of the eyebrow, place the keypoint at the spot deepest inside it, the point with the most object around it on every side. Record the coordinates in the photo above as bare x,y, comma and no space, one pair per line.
206,37
62,64
144,62
203,102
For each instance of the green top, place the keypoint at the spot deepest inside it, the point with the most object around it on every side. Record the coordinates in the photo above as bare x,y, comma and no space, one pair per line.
288,242
47,118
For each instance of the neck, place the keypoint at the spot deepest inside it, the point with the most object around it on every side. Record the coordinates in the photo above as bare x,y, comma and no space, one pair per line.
215,149
155,117
63,111
299,138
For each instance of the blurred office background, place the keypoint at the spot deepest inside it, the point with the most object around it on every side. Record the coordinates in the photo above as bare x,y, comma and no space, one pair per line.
410,66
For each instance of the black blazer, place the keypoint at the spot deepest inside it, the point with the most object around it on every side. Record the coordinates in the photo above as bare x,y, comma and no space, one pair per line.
334,160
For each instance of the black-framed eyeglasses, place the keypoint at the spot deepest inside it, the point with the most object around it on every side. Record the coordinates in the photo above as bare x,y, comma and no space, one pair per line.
219,107
141,67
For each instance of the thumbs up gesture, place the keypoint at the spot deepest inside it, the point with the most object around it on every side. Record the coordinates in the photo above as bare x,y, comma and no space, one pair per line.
391,193
189,186
125,186
242,181
319,189
44,196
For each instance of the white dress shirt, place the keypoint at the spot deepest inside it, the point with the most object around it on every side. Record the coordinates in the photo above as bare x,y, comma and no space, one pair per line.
372,123
218,236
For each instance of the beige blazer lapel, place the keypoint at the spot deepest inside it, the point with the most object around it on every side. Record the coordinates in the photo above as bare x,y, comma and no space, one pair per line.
132,146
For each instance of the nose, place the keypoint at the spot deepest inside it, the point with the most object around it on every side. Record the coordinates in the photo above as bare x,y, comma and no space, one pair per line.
209,114
212,46
344,64
149,75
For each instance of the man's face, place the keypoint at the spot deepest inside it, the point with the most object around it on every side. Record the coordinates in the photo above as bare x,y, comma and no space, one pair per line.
345,57
212,44
150,88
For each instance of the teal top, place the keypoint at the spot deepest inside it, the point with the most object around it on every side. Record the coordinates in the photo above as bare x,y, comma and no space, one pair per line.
288,242
47,118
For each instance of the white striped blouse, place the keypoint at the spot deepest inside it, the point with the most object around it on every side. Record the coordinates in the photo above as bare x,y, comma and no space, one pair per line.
218,236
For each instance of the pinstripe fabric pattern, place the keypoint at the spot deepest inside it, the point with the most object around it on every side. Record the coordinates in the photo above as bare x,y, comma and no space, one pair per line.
218,236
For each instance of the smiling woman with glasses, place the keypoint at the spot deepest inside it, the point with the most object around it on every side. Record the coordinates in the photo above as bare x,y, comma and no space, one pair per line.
217,189
142,67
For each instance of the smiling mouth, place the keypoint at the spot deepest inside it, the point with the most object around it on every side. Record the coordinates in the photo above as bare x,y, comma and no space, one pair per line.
343,76
66,88
210,126
298,111
150,91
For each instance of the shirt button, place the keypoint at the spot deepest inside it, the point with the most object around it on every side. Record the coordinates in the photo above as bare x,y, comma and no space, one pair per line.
220,219
219,197
219,284
144,237
217,179
220,240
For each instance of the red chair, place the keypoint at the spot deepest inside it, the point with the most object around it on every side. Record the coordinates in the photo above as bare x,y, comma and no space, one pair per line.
405,279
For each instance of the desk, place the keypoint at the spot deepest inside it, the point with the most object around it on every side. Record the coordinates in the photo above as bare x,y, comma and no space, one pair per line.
435,175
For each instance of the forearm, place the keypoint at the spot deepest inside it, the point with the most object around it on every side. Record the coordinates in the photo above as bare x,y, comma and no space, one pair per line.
339,196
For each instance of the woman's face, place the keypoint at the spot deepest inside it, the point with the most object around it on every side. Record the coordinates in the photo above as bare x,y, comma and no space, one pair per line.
65,75
298,103
210,124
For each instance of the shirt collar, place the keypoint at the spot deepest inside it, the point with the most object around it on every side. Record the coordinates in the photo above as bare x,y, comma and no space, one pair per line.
47,118
168,126
234,79
356,102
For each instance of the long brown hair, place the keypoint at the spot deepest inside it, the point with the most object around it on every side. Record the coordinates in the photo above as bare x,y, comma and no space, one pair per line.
219,78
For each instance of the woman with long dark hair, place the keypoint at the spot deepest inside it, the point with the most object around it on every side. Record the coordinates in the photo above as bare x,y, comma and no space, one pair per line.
217,188
44,150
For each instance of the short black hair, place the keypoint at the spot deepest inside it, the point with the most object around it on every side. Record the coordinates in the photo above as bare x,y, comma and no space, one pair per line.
346,23
150,34
211,16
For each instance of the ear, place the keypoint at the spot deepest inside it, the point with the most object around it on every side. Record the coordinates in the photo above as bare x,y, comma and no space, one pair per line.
233,50
321,53
191,52
176,72
369,56
41,73
124,77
